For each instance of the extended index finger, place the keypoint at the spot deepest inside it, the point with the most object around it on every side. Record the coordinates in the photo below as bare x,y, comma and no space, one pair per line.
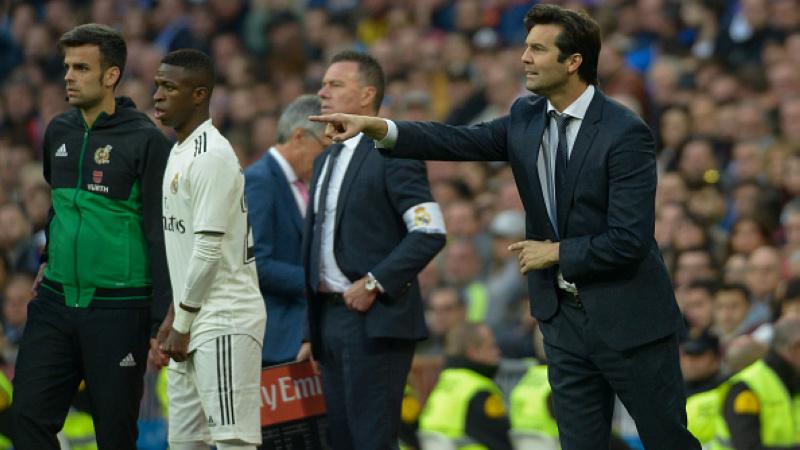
517,246
326,118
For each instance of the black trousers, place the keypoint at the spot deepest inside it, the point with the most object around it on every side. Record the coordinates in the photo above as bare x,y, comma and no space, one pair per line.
585,374
106,347
363,380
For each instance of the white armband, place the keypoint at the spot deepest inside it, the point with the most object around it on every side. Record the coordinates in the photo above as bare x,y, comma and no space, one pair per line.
425,218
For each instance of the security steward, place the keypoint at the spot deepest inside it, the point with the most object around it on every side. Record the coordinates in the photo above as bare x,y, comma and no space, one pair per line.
409,419
760,409
466,405
701,361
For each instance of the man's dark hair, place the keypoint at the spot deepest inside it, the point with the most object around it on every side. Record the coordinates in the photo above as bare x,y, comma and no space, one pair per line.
198,63
735,287
369,69
113,51
709,285
579,34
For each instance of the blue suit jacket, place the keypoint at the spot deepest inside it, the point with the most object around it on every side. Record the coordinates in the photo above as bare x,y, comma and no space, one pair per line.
371,236
607,243
278,234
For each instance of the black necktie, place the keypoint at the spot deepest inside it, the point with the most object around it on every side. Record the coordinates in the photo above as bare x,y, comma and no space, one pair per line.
319,216
562,120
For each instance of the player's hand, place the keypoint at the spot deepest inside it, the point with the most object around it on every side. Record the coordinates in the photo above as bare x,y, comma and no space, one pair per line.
305,354
176,345
38,280
156,356
358,297
535,255
340,127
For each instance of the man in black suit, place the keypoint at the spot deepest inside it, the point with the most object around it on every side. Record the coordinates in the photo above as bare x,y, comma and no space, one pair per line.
586,172
371,227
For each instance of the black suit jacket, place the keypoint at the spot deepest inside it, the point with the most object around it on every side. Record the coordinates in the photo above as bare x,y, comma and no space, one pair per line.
371,236
607,244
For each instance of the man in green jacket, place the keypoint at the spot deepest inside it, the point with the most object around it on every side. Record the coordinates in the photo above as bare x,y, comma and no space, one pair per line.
104,267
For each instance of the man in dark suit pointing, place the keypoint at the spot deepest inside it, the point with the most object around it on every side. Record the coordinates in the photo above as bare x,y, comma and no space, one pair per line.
371,227
586,172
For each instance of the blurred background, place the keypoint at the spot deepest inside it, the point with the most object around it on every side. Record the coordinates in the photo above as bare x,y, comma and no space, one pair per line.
718,81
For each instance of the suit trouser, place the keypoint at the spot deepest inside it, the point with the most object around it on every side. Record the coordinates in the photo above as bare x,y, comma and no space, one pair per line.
61,346
585,374
363,381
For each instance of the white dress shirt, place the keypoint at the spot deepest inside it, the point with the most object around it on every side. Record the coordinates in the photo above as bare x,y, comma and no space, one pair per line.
577,111
291,177
331,278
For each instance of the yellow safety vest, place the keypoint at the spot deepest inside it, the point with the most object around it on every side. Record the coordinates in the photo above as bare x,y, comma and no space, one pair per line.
409,412
161,391
478,302
529,409
703,409
779,414
79,431
5,401
446,409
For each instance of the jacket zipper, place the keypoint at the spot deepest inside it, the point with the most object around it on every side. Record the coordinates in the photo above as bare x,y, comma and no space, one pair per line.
87,129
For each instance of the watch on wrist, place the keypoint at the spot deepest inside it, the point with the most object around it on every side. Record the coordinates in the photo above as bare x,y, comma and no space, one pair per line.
371,283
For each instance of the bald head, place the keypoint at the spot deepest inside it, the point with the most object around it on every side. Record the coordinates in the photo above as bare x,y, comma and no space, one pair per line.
763,271
787,334
742,351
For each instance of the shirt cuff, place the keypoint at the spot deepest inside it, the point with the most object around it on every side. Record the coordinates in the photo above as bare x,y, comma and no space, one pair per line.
391,136
183,320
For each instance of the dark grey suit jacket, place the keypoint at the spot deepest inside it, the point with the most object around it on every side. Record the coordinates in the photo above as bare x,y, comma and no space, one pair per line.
371,236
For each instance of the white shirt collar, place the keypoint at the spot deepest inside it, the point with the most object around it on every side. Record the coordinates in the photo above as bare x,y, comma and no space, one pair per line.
352,143
284,165
579,107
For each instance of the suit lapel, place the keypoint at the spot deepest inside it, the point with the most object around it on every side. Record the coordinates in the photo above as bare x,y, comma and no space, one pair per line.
530,158
288,195
580,149
359,155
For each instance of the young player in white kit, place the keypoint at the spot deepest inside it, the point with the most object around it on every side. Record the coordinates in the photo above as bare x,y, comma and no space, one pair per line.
218,313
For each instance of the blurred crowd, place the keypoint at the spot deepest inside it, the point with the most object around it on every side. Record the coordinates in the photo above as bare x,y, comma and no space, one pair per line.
717,80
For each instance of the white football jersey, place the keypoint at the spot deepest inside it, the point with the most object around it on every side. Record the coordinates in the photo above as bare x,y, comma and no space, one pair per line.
203,191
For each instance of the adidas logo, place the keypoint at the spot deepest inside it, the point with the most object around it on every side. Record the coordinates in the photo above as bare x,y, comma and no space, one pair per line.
62,151
127,361
211,422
